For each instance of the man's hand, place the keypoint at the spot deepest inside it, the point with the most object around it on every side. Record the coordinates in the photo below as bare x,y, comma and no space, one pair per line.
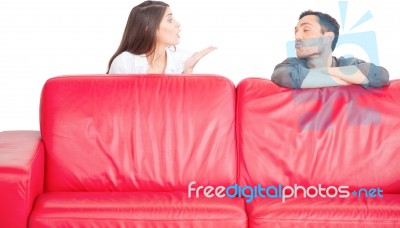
319,78
192,61
334,76
350,74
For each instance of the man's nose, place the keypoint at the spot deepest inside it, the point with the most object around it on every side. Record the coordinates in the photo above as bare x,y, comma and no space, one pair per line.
298,36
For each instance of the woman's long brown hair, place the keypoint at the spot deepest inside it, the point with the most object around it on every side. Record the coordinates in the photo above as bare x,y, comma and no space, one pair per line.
141,28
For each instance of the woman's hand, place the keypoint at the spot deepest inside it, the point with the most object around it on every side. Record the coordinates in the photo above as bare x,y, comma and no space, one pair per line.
192,61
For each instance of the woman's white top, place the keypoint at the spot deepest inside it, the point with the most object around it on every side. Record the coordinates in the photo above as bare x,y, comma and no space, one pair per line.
128,63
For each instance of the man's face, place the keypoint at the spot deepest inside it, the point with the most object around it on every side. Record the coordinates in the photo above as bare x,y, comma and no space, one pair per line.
310,41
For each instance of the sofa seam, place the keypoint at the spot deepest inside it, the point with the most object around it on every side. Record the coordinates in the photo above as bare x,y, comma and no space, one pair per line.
329,220
127,219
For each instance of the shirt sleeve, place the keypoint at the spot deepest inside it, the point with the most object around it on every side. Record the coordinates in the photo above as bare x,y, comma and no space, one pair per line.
377,76
290,73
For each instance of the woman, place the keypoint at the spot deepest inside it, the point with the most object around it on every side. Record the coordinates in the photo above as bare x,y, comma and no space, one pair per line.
148,44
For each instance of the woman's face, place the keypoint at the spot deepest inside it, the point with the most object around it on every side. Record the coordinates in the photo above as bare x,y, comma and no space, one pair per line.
168,31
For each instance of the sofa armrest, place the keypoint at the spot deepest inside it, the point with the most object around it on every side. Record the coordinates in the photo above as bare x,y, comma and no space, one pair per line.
21,175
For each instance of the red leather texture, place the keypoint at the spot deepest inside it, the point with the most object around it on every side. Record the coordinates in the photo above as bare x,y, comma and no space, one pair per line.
141,133
317,212
336,136
340,136
21,175
135,209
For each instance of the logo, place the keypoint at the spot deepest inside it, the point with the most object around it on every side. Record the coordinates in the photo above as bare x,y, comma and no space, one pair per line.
280,192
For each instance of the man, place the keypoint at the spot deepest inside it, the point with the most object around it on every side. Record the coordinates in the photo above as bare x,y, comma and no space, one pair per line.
316,36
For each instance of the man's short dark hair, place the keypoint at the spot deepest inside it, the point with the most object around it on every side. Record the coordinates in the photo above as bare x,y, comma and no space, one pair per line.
327,22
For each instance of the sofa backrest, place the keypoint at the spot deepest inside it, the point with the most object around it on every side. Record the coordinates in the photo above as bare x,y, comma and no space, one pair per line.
140,132
334,136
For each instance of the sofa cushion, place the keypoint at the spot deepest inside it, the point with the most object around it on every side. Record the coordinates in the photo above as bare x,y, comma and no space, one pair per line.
135,209
319,157
333,136
317,212
131,133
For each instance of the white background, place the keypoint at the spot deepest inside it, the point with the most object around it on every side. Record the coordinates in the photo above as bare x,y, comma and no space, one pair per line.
41,39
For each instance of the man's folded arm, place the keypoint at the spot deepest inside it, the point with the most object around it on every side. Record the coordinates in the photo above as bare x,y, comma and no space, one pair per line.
292,74
357,71
377,76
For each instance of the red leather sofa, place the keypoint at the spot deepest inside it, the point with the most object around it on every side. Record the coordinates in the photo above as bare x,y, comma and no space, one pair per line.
196,151
333,137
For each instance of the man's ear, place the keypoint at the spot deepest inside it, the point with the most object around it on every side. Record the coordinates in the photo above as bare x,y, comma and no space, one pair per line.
329,34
